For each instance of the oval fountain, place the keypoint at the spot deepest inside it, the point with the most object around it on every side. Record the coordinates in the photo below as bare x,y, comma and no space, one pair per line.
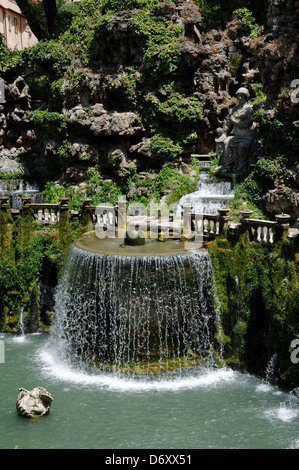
135,308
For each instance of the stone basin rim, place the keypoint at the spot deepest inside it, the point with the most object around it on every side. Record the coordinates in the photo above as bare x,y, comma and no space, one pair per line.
90,243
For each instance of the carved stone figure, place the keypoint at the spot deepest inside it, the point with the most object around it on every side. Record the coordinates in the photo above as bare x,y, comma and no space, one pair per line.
236,142
33,403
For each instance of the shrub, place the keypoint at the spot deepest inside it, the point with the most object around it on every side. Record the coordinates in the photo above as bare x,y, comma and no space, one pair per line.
164,147
248,21
8,58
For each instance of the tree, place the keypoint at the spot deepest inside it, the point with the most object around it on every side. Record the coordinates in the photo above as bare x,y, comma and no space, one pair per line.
40,16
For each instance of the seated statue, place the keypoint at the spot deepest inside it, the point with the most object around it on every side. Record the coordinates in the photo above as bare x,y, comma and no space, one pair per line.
236,142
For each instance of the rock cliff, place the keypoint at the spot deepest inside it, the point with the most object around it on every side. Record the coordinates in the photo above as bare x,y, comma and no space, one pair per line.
152,87
276,54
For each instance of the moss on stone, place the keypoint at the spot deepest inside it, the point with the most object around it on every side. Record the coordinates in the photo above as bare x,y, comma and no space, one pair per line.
258,290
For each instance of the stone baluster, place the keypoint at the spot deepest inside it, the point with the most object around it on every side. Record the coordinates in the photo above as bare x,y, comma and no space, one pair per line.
263,233
257,232
268,235
86,216
209,227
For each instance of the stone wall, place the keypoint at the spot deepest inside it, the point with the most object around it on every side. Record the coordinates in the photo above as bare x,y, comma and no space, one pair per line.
16,132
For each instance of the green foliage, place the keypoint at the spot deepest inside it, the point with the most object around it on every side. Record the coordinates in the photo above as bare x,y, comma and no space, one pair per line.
45,90
216,13
8,58
152,27
279,140
121,5
248,21
66,13
63,150
10,176
178,107
279,136
170,178
164,58
159,62
49,123
54,54
129,80
18,277
262,306
260,96
164,147
52,192
262,178
37,10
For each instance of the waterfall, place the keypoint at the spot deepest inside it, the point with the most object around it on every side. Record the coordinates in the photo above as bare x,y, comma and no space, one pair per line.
16,188
270,369
124,310
20,326
211,194
20,337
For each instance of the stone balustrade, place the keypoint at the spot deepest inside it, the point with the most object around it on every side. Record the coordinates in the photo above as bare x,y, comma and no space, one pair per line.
261,231
209,226
46,214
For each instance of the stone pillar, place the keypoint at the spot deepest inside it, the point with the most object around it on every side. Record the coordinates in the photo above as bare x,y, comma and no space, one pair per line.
26,223
86,216
6,229
223,222
282,228
64,216
121,217
244,229
187,221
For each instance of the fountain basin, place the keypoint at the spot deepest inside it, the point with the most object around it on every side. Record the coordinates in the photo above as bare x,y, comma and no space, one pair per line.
123,306
116,246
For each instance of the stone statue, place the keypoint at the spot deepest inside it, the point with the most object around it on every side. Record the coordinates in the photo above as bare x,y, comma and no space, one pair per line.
236,142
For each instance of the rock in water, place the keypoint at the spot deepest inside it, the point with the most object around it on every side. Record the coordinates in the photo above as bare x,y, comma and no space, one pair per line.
33,403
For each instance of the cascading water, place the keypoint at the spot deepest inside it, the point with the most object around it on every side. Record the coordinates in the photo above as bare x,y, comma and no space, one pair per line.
124,310
16,188
270,369
211,194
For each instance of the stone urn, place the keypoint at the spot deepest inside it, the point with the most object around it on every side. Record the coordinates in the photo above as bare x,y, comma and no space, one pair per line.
33,403
26,200
223,211
86,202
246,214
64,201
282,218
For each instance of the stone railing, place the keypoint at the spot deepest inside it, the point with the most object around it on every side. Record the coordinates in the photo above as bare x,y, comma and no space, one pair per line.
209,226
46,214
266,232
261,231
